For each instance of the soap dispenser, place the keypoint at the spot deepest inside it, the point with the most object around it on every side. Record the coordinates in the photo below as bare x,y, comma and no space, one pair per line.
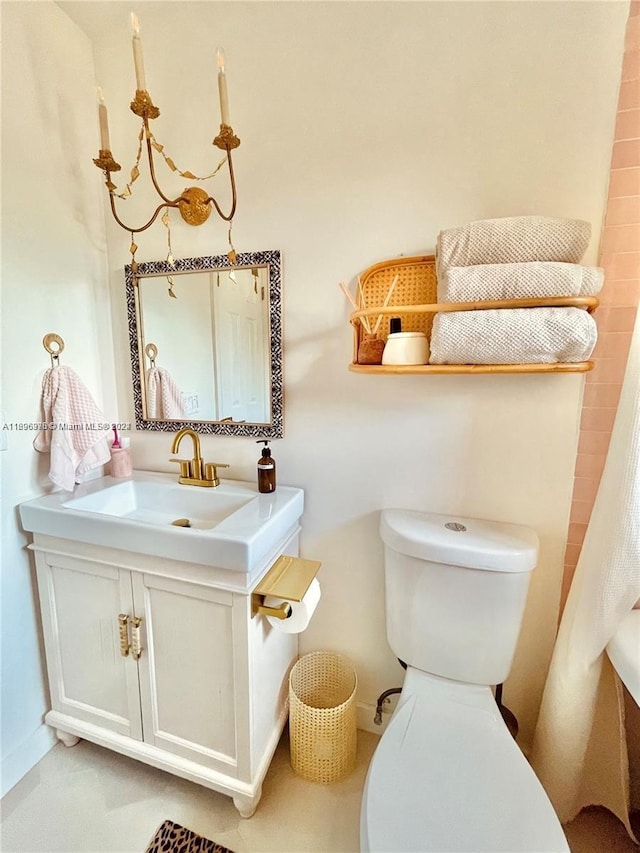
266,469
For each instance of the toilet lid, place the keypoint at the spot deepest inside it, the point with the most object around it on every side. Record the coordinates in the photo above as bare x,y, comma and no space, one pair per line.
448,777
472,543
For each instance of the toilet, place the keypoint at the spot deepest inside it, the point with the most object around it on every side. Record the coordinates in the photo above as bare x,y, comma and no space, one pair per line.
447,776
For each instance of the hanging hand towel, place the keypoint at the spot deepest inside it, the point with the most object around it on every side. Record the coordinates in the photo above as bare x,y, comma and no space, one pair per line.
518,281
513,336
76,439
164,400
512,240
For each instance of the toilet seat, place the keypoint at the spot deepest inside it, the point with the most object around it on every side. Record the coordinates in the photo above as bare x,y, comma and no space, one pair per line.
447,777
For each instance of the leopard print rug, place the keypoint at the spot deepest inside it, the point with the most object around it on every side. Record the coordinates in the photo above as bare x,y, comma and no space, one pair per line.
173,838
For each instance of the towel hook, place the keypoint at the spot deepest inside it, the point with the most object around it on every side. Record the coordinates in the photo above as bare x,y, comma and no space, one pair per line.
152,351
54,345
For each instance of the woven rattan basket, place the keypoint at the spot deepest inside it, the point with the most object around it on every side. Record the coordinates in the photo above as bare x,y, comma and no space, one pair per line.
417,285
322,716
415,300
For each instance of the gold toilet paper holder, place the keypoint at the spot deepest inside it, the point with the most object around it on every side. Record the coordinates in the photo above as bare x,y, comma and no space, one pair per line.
288,578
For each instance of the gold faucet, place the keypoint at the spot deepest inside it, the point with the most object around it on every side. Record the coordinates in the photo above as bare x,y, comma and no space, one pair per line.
195,472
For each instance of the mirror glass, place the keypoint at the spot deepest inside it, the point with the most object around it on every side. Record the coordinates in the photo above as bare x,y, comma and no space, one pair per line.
206,344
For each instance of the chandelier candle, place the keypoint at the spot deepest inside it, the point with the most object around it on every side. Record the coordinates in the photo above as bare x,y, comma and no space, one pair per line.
136,41
222,88
103,118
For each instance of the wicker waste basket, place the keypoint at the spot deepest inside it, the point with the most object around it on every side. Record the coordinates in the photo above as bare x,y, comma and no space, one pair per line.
322,716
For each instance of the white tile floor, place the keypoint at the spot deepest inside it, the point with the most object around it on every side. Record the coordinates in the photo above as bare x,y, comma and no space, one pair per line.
88,799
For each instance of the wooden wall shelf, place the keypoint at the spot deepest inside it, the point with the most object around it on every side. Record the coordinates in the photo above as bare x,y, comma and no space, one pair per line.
556,367
415,302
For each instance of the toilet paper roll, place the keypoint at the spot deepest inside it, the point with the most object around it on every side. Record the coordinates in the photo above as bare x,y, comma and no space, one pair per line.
301,611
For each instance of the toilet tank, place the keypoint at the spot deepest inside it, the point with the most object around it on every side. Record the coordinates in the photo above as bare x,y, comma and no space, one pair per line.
455,592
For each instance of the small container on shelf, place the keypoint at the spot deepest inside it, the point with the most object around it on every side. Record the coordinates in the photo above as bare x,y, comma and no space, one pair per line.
406,348
370,350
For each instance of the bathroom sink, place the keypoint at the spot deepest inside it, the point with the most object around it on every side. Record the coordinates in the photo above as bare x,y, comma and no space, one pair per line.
231,526
144,501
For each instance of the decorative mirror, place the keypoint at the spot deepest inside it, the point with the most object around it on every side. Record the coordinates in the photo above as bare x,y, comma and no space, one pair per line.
206,344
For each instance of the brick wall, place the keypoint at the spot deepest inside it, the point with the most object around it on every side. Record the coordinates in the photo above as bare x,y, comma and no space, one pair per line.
620,257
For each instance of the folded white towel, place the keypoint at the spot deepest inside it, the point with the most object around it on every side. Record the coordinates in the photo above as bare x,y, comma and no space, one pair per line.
513,336
76,438
512,240
518,281
164,401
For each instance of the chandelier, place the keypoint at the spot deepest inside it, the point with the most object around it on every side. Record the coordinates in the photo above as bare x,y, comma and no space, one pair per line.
194,204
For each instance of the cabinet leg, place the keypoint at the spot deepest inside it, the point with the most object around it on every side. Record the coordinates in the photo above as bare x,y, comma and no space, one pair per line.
66,738
247,805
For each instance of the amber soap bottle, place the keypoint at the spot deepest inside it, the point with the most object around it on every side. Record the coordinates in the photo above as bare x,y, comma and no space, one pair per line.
266,469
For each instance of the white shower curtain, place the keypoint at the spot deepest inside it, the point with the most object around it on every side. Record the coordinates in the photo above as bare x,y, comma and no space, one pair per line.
579,750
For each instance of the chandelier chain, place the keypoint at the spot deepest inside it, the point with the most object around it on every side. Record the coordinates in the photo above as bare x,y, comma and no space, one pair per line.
186,174
135,171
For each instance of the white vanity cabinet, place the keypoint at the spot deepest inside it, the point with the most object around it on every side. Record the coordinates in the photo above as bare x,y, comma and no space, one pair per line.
161,661
88,678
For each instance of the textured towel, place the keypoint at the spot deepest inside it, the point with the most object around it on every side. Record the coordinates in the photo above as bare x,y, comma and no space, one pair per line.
164,401
76,437
512,240
518,281
513,336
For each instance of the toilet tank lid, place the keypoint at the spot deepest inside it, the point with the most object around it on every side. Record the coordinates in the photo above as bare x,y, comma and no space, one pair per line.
469,542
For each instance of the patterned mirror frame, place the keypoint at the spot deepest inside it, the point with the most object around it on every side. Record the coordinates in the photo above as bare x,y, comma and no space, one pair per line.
270,258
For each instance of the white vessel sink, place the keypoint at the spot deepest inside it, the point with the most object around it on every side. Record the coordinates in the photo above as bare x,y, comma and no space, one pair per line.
140,500
232,526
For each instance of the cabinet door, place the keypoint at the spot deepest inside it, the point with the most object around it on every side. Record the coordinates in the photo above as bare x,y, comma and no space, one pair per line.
88,676
192,646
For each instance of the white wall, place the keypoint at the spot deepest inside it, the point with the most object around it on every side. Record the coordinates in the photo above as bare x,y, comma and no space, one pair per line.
366,128
53,280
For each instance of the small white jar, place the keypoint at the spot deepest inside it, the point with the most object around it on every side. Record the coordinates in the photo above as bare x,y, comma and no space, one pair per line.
406,348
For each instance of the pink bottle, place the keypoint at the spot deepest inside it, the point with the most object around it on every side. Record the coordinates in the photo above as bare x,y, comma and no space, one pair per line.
120,457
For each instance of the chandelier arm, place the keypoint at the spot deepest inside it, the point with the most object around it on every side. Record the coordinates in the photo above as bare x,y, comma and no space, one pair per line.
144,227
233,193
172,202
